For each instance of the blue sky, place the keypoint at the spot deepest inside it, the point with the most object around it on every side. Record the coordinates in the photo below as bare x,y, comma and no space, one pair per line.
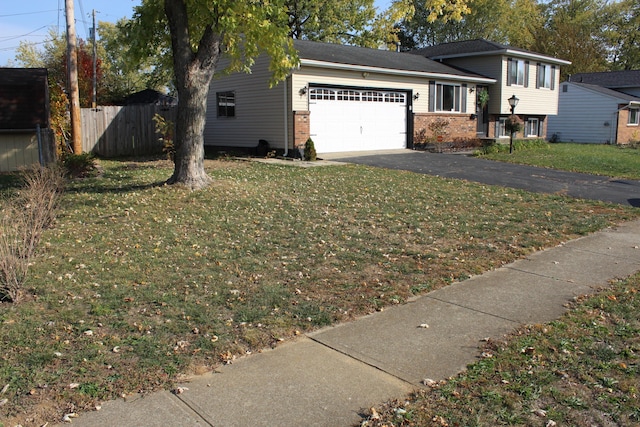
30,20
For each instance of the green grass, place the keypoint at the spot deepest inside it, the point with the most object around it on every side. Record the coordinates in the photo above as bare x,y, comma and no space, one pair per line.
582,369
598,159
138,283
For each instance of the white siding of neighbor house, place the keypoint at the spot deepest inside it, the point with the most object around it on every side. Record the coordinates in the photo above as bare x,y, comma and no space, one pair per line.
582,116
259,110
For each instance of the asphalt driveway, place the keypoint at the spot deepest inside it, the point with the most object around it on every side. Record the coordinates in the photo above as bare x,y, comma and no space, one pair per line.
541,180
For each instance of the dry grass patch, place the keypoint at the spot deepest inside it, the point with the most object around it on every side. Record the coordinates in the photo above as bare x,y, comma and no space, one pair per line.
140,282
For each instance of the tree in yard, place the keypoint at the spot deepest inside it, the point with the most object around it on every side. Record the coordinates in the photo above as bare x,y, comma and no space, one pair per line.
199,33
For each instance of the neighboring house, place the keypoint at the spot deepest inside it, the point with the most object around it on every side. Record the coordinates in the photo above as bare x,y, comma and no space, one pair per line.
25,136
150,97
532,77
345,98
599,108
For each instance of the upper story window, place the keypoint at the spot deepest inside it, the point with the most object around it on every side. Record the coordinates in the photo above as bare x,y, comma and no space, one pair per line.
226,104
517,72
546,76
633,116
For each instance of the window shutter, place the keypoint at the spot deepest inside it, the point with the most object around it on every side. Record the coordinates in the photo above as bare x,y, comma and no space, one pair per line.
538,75
463,99
432,96
553,77
509,71
526,74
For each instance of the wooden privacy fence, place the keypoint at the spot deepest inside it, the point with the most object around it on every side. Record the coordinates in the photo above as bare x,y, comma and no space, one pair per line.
115,131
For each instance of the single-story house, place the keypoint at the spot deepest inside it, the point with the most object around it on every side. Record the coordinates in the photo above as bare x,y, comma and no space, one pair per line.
350,98
25,136
599,108
531,77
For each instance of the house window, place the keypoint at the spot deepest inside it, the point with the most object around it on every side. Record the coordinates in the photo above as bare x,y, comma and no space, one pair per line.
447,97
633,116
501,128
226,104
546,76
532,127
517,72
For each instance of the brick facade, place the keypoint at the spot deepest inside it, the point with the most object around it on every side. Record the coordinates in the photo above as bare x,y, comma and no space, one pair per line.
626,133
460,126
301,129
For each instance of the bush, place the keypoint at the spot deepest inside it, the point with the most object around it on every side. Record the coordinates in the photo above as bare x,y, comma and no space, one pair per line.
22,221
310,151
166,129
78,165
494,147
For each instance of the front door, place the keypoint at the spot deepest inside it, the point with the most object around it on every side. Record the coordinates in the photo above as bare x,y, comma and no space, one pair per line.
482,111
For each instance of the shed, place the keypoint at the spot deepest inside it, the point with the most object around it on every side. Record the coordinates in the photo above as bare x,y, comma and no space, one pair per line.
25,134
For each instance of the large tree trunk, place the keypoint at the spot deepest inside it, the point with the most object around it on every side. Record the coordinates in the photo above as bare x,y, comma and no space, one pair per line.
193,73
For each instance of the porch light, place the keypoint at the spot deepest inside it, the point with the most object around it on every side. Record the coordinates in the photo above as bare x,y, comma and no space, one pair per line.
303,91
513,102
416,96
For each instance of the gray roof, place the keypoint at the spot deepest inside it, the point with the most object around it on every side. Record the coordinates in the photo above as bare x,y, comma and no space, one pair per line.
361,56
611,79
606,91
476,47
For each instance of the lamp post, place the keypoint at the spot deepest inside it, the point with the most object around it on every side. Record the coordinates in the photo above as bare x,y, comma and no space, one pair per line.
513,101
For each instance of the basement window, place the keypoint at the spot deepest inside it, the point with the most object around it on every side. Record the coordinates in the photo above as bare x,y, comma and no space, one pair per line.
226,104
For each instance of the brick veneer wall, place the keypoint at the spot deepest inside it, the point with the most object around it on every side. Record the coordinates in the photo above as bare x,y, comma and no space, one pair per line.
461,126
301,129
626,133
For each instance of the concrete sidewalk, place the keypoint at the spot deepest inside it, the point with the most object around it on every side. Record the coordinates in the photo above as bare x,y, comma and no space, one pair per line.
331,377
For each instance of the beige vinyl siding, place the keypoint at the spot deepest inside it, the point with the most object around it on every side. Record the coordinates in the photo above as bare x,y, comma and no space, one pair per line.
316,75
532,100
18,150
487,66
259,109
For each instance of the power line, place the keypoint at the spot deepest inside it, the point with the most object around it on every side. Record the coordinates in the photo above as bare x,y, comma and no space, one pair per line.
7,38
29,13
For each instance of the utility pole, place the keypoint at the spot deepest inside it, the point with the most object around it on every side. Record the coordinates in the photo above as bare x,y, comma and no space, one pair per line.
74,91
94,102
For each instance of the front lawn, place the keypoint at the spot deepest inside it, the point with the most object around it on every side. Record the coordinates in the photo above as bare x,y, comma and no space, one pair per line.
138,283
598,159
581,370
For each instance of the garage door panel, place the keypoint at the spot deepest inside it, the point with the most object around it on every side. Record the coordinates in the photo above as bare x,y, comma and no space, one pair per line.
350,120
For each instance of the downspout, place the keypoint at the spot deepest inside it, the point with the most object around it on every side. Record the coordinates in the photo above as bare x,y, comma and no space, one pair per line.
286,116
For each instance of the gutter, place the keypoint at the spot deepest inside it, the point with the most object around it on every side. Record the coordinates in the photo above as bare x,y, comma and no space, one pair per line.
509,52
370,69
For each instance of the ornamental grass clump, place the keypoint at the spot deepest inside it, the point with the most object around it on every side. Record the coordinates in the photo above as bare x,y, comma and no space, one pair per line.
23,218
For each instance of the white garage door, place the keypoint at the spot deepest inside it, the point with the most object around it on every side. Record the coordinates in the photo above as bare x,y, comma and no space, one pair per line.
357,120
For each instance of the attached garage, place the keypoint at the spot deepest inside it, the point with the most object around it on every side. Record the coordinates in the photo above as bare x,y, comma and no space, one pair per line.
349,119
